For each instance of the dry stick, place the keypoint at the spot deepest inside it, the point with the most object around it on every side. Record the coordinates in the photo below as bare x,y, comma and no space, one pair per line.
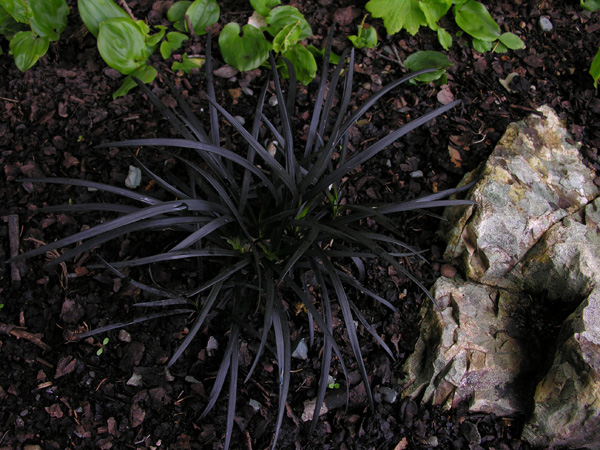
13,239
35,338
125,6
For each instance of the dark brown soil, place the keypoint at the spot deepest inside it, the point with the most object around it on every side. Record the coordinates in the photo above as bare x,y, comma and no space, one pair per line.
58,394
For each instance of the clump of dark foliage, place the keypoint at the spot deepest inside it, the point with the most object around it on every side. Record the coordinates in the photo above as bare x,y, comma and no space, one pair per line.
259,220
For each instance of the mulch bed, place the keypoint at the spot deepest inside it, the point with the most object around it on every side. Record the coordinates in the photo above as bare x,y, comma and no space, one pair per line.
57,394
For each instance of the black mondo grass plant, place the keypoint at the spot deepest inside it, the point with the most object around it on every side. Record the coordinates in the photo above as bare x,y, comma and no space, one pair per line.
257,221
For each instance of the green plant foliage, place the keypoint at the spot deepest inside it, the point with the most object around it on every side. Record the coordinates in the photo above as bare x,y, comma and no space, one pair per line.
146,74
187,64
245,52
203,13
264,7
423,60
282,16
398,15
174,42
176,14
122,44
366,37
590,5
302,59
262,225
27,48
595,68
30,26
94,12
471,16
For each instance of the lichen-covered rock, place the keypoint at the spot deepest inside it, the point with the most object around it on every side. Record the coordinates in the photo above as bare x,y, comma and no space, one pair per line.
472,349
534,234
532,180
565,263
567,400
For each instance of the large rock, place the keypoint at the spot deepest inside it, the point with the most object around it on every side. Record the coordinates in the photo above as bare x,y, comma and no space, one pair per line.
533,236
533,178
567,400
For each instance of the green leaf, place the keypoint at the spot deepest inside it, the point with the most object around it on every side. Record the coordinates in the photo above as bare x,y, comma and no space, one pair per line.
287,37
595,68
27,48
18,9
263,7
174,42
367,37
176,14
146,74
434,10
283,16
590,5
444,38
93,12
122,44
245,52
512,41
49,17
202,14
187,64
304,63
474,19
316,52
499,47
8,25
398,14
482,46
153,40
428,60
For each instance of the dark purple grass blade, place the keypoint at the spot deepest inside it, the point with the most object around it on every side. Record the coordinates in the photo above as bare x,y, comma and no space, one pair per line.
202,232
114,326
349,321
93,185
375,148
168,223
172,256
284,353
206,308
90,207
370,329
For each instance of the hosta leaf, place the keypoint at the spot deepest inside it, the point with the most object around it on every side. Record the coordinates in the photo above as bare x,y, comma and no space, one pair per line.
512,41
283,16
146,74
18,9
93,12
398,14
263,7
434,10
427,60
174,42
27,48
202,14
590,5
176,14
187,64
122,44
304,63
474,18
287,37
49,17
482,46
245,52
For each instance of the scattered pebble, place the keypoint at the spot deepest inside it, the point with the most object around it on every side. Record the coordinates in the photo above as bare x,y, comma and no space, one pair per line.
246,90
389,395
273,100
134,177
545,24
135,380
124,336
254,405
240,119
416,174
301,351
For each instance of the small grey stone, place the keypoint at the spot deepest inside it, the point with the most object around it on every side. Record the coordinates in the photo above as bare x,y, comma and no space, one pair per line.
273,100
301,351
417,174
389,395
545,24
240,119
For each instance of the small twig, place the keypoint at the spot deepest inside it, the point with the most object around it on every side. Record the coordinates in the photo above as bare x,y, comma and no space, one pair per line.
125,6
9,100
525,108
13,240
34,338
